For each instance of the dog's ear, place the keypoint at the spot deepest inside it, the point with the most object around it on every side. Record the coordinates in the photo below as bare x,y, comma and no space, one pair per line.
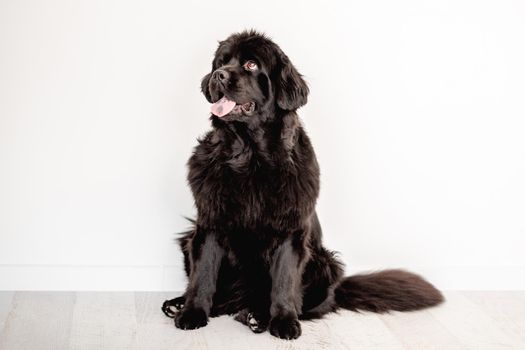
204,87
291,90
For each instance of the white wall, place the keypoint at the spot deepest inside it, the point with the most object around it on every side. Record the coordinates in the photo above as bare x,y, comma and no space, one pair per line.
417,114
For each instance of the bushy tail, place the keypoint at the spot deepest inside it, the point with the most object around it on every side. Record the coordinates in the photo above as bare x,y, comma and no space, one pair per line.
389,290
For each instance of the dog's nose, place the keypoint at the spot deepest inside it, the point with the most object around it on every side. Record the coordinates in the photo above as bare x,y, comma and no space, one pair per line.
221,75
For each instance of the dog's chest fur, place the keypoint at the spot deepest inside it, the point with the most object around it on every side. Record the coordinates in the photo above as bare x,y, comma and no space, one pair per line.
253,181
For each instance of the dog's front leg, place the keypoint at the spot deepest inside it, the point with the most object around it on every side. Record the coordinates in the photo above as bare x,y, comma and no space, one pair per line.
286,272
205,258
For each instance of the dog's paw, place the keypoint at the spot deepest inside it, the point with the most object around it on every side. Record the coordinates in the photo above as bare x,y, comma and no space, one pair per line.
285,327
191,319
171,307
256,322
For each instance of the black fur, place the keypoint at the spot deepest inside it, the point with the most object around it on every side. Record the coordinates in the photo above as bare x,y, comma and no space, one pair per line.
256,248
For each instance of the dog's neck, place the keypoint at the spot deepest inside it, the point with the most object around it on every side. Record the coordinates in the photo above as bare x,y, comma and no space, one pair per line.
268,137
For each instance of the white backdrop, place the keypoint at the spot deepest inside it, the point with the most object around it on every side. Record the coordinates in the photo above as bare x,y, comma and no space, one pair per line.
416,112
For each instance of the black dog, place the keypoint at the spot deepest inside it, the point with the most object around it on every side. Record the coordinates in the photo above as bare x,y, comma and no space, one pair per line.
256,248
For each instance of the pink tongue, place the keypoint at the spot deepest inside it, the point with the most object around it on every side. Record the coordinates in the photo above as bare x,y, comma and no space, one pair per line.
222,107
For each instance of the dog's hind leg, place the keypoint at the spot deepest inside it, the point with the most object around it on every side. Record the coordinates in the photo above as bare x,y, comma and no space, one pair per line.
321,276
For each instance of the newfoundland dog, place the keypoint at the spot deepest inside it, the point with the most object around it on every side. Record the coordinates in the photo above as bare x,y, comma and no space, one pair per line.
256,248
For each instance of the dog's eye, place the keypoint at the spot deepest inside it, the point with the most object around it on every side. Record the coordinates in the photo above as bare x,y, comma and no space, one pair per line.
250,65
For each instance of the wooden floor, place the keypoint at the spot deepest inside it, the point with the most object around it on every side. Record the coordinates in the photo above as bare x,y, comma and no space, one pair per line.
87,320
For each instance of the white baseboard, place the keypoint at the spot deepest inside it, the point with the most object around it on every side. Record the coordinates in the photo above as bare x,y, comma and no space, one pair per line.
171,277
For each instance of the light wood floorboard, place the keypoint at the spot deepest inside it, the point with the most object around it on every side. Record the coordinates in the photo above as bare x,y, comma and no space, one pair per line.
474,328
105,320
5,306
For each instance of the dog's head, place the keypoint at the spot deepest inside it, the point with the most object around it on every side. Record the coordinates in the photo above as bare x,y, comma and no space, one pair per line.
251,77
